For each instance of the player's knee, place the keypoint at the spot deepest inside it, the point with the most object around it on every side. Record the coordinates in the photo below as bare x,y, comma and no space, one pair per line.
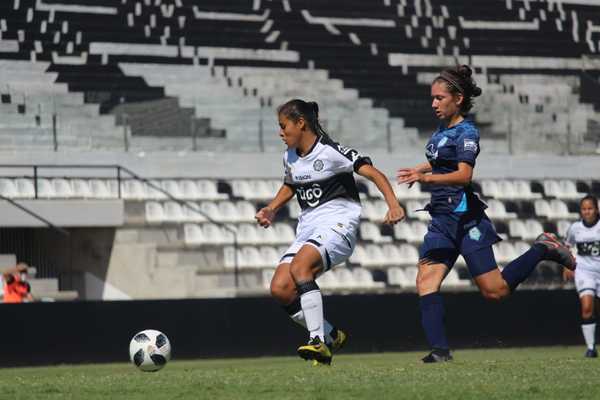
495,294
426,284
282,291
587,312
300,272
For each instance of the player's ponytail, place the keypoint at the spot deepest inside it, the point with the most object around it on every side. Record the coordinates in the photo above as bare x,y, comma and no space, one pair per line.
308,110
459,81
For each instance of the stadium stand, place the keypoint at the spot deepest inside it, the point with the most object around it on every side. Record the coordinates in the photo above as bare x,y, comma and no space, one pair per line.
173,69
222,241
206,75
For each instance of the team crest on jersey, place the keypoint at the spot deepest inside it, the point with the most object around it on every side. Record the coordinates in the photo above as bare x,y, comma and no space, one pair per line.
429,151
475,233
470,145
318,165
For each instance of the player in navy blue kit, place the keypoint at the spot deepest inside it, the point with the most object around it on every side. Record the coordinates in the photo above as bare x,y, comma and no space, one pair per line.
459,224
320,173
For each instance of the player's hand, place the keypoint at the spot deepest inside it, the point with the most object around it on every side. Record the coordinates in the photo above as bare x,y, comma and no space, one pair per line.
568,275
265,217
394,215
409,176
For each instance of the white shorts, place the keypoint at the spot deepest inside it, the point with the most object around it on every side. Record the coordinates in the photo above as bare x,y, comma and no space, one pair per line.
587,282
335,241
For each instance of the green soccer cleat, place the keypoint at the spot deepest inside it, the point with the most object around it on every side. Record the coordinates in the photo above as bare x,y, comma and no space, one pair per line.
316,350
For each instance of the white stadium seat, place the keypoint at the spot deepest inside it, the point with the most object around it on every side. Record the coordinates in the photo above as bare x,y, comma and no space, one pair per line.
374,255
208,190
154,190
396,277
62,188
172,187
133,190
497,210
8,188
370,231
411,276
345,278
363,278
328,280
359,255
193,234
193,212
452,279
25,188
211,209
45,190
155,213
100,189
82,189
174,212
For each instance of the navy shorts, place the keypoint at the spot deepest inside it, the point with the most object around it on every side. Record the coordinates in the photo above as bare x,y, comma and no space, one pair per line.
470,234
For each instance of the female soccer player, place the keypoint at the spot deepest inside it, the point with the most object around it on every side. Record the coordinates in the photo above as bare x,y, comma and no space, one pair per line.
320,173
459,224
584,235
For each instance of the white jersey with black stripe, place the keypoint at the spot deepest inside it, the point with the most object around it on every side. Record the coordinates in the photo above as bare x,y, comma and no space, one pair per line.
586,240
323,181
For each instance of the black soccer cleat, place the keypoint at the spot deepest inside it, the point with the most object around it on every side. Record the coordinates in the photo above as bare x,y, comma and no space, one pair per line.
591,353
437,355
556,251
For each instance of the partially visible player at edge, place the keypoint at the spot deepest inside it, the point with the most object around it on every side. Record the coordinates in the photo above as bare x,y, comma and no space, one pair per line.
584,236
459,224
320,173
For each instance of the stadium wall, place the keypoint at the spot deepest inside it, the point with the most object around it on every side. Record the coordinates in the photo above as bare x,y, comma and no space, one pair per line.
78,332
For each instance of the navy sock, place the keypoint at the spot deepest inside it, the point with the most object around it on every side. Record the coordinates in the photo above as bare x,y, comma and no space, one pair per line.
521,267
432,318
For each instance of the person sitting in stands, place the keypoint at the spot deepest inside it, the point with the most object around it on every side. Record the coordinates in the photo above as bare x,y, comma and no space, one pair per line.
16,288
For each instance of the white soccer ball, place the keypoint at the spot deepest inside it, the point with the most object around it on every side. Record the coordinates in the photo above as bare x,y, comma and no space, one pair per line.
150,350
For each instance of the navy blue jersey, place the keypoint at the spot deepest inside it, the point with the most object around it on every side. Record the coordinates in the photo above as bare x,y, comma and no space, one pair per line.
446,148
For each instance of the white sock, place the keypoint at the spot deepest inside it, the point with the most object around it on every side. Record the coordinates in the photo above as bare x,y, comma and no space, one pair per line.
312,306
589,334
327,327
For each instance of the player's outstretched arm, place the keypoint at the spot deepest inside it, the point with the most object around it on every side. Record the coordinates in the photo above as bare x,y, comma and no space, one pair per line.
460,177
407,175
395,211
266,215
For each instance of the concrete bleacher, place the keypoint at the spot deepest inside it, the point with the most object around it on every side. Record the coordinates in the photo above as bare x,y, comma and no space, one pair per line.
194,233
233,63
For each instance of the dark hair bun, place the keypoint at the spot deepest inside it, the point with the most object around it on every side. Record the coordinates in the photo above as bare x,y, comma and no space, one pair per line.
464,71
315,107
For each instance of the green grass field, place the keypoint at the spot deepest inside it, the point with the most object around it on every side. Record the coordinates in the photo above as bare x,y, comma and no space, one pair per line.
532,373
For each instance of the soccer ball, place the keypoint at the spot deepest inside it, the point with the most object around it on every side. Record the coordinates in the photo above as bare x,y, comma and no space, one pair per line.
149,350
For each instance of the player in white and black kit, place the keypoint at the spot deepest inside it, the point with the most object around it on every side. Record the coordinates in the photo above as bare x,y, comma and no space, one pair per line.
319,172
584,236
